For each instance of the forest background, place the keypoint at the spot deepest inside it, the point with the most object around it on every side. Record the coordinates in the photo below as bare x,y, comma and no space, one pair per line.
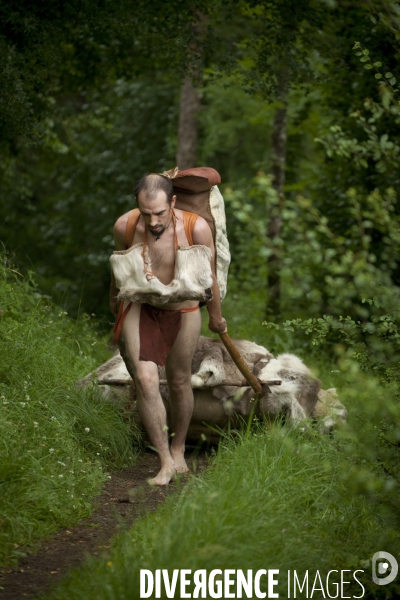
294,102
302,126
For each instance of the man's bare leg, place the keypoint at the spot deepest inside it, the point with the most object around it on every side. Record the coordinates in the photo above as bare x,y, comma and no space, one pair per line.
178,372
150,405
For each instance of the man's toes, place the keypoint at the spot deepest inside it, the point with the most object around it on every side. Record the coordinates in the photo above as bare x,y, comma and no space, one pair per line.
163,477
180,464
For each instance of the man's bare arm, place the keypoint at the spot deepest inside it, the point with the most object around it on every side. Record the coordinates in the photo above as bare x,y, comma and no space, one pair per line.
119,239
202,235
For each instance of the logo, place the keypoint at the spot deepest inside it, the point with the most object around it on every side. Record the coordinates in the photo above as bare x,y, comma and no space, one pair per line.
387,564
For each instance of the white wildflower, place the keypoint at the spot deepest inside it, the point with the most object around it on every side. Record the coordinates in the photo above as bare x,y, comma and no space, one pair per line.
23,404
51,450
87,429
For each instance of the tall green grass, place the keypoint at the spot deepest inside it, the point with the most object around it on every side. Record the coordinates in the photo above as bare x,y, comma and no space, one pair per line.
56,441
275,498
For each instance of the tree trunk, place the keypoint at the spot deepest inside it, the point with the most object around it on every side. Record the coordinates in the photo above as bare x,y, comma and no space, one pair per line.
186,155
279,136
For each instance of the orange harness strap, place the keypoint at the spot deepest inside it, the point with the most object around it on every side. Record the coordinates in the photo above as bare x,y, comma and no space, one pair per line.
192,309
189,221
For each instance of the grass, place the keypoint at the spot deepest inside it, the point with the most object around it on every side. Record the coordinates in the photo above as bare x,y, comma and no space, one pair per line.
275,499
56,441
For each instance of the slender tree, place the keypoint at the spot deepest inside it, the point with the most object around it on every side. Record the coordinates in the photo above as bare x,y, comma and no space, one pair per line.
186,155
286,33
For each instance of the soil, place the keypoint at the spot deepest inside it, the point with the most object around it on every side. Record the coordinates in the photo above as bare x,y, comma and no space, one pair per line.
124,498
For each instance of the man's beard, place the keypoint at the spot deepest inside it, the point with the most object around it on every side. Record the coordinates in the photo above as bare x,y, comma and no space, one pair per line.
158,232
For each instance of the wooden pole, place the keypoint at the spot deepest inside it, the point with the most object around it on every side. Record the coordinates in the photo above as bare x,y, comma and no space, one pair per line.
240,363
242,383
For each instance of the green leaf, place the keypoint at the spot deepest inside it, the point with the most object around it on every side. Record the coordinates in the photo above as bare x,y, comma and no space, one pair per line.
392,80
377,63
358,53
378,75
366,52
368,66
388,75
364,59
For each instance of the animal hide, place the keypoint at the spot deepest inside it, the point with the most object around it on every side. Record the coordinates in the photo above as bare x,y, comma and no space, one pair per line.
221,239
298,393
329,409
193,276
217,402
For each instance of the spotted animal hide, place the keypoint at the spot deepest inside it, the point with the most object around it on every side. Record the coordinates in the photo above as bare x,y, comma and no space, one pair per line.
216,400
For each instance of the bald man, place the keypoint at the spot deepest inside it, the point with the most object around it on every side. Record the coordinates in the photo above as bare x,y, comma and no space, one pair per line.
156,334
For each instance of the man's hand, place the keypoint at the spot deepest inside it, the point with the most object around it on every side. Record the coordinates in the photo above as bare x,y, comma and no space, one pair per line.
217,325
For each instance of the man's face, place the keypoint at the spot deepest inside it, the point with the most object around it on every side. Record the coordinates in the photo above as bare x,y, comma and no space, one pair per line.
156,211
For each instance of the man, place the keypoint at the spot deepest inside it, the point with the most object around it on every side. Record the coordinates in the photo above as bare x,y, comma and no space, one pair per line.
161,227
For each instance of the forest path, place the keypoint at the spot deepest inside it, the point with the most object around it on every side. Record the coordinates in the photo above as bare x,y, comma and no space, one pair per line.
115,510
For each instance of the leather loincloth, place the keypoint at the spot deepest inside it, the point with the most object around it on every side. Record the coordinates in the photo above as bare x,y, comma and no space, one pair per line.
158,330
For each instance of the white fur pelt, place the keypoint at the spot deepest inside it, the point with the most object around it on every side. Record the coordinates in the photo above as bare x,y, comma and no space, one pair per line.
223,256
330,410
212,365
297,395
193,276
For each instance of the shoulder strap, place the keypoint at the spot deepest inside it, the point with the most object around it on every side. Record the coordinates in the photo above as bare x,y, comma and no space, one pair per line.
133,219
189,221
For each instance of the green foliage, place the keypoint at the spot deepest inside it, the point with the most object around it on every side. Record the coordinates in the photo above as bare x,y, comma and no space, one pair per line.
374,343
51,52
66,198
56,440
323,271
281,498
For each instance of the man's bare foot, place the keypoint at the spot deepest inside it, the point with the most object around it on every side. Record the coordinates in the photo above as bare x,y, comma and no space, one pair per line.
180,463
166,474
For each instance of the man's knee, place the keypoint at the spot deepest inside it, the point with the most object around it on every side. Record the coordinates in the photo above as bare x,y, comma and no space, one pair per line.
179,381
146,381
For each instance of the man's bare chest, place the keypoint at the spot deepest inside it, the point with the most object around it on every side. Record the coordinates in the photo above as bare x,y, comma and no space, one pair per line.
162,255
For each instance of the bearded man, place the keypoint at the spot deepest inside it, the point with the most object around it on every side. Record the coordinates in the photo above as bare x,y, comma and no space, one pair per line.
156,332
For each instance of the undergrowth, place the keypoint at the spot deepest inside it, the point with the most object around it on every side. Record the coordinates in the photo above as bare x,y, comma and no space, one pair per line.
276,498
56,441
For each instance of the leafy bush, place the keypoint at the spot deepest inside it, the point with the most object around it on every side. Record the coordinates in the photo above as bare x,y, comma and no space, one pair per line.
374,343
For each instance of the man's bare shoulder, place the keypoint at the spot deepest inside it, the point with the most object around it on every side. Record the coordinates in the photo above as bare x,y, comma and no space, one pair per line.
202,233
119,231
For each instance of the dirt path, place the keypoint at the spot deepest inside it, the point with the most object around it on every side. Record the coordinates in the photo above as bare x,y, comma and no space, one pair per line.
115,509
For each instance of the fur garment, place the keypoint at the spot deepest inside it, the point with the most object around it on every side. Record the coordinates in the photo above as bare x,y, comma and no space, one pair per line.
193,276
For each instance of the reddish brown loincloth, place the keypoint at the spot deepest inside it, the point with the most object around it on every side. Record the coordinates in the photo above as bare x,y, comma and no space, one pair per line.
158,330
